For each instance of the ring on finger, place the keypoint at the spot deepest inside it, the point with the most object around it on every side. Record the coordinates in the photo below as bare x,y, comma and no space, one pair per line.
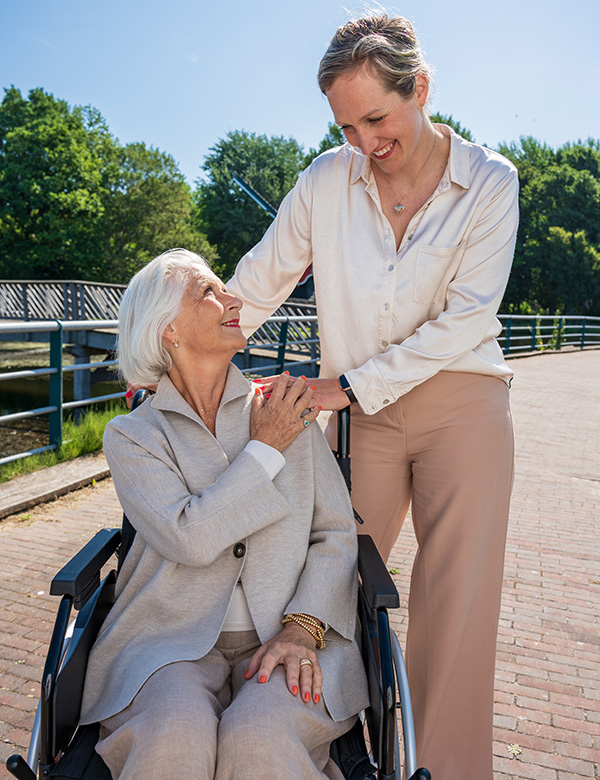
306,662
306,423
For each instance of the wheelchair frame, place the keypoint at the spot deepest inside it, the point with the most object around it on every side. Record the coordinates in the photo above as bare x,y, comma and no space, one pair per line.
80,586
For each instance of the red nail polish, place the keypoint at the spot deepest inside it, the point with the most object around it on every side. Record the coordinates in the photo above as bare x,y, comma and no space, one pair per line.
303,377
317,698
128,394
295,690
319,408
267,395
286,372
263,678
307,697
247,675
312,387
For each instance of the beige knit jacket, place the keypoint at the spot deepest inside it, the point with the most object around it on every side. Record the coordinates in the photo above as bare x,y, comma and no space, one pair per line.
192,498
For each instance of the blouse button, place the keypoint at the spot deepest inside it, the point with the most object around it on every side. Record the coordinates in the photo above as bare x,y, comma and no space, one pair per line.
384,343
386,400
386,306
239,550
390,267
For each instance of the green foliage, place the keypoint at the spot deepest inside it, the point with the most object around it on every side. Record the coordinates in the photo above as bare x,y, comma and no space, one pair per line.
50,182
79,439
75,204
230,219
556,266
148,209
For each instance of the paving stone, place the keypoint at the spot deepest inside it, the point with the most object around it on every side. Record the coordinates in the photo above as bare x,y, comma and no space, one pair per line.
548,664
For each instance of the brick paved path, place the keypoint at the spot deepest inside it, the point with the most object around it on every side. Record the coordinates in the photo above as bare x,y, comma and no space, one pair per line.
547,679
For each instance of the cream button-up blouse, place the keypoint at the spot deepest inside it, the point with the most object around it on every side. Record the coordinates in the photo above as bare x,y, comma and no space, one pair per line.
391,319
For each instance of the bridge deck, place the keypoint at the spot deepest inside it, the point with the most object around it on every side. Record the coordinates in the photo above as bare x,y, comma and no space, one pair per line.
547,679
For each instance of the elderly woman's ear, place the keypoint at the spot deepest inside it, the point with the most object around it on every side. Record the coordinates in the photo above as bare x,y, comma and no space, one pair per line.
170,335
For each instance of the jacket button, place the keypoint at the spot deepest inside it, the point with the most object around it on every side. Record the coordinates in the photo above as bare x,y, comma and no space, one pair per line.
239,550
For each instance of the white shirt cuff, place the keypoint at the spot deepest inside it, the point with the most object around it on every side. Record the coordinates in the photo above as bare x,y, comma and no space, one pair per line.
269,458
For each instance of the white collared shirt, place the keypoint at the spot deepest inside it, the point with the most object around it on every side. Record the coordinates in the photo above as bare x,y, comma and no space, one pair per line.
391,319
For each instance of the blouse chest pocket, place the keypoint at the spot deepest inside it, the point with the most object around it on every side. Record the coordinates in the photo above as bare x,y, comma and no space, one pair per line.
435,268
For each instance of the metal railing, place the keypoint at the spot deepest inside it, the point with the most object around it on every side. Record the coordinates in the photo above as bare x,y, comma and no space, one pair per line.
69,300
56,369
530,333
283,342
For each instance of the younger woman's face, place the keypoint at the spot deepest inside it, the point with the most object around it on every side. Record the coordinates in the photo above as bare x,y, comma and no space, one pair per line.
384,125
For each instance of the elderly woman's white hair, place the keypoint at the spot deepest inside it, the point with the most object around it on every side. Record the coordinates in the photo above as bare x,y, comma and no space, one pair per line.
151,301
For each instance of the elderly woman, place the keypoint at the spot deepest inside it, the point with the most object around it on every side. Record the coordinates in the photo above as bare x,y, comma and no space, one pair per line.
230,650
410,230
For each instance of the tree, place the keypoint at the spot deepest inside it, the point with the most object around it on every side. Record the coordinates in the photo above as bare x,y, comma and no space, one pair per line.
147,210
227,216
50,182
74,203
555,267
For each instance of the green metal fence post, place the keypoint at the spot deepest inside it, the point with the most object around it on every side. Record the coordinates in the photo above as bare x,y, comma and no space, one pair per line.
507,336
533,333
56,386
559,335
282,345
582,334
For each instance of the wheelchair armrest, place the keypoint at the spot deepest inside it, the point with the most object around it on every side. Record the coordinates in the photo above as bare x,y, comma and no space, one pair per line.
80,577
378,587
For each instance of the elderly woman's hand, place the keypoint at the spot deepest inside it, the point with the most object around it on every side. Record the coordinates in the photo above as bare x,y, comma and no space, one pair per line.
280,418
288,648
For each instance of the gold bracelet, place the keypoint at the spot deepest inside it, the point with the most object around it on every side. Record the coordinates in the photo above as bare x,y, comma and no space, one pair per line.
308,623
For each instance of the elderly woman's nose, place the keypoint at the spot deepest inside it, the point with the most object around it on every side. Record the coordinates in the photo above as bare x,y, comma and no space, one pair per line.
233,301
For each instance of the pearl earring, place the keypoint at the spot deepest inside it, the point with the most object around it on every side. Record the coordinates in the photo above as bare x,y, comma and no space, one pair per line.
175,343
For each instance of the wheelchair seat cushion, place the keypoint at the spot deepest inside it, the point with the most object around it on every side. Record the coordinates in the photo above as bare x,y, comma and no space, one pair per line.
80,761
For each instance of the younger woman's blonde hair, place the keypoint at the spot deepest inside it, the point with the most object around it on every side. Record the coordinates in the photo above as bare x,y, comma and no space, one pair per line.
387,44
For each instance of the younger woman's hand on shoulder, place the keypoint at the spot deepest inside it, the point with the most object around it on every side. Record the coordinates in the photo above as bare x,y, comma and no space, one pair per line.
279,419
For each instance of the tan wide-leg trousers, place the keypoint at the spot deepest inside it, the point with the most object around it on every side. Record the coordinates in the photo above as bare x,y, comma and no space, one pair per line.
446,447
199,720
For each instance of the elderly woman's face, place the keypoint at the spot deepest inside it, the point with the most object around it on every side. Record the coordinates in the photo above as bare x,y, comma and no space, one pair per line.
208,321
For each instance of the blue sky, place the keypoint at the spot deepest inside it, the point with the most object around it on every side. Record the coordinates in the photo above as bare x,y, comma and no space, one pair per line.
180,75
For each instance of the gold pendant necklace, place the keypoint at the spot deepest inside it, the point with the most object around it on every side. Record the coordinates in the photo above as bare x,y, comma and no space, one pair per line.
399,206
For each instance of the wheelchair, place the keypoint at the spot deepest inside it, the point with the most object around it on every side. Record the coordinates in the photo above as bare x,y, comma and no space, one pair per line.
62,750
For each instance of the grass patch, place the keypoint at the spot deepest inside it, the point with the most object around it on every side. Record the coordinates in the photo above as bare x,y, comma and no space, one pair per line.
78,439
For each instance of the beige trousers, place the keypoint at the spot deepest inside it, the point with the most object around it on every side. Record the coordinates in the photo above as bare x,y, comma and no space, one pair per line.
199,720
446,449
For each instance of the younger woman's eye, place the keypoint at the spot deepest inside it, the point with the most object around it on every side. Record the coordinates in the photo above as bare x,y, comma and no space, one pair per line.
375,119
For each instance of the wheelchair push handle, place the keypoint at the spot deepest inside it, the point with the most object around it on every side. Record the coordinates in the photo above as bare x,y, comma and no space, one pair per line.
342,452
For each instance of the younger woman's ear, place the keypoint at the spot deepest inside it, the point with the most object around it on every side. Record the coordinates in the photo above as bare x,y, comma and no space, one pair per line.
421,88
